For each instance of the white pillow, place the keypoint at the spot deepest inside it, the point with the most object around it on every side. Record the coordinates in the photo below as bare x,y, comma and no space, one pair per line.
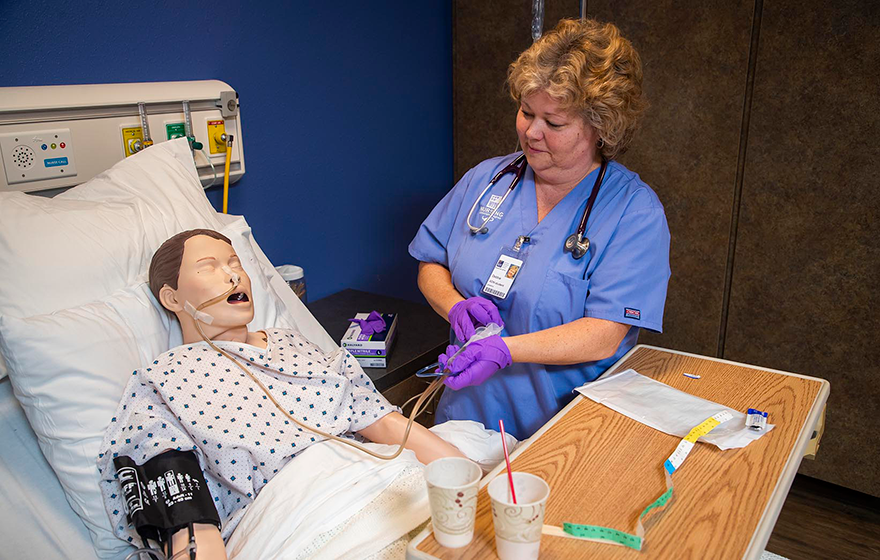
68,370
98,237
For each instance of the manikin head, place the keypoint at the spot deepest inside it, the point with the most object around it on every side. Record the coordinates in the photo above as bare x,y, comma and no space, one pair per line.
193,267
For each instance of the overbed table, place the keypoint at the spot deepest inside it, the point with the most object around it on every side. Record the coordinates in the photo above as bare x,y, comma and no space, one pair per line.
604,468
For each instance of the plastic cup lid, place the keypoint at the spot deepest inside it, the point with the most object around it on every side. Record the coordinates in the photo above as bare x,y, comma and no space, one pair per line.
290,272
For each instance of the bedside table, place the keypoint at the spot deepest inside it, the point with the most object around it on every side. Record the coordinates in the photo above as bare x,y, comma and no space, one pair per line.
421,336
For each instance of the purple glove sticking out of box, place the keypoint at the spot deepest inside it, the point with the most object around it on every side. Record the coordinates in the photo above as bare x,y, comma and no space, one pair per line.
374,323
476,363
466,315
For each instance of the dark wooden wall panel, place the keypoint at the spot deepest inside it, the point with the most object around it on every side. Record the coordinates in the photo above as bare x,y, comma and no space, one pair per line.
806,277
695,62
806,284
487,35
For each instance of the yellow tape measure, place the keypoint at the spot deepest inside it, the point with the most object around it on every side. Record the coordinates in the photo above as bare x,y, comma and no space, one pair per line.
613,536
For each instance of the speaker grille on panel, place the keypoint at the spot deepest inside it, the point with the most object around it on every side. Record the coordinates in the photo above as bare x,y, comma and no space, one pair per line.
23,157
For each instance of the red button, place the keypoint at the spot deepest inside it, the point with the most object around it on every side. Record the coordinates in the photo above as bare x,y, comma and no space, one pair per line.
62,145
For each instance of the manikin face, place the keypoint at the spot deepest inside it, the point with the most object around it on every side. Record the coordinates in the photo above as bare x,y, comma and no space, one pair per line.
202,278
559,146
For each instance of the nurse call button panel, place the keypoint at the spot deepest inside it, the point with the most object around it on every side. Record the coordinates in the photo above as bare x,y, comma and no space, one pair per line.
32,155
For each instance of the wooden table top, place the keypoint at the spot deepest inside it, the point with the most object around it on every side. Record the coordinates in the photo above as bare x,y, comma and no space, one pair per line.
604,468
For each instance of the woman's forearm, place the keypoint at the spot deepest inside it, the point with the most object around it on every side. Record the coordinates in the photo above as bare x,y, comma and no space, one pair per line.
435,282
583,340
425,444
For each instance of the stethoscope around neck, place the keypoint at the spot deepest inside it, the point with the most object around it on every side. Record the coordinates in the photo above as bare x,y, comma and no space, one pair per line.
577,243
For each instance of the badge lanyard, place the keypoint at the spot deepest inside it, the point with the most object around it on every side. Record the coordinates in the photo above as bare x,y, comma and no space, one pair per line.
508,266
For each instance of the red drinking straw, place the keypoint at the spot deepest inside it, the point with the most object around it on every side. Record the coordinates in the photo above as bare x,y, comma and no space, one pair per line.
507,460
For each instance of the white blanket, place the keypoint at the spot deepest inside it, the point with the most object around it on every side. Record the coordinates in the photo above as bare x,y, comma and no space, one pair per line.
322,503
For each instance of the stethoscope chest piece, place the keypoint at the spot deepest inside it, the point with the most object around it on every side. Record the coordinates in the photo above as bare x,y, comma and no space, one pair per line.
577,243
577,247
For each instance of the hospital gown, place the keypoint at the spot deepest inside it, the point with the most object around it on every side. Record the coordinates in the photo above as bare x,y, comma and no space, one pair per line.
193,398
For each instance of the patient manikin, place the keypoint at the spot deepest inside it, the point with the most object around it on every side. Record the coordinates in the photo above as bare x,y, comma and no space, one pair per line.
192,398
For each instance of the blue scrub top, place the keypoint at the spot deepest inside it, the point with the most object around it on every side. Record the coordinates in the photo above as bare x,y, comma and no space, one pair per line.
622,278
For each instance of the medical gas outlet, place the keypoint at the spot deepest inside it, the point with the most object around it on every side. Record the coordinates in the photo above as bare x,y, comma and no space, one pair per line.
132,140
34,155
217,136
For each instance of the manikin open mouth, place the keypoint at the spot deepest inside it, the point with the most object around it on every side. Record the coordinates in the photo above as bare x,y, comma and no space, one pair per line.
238,297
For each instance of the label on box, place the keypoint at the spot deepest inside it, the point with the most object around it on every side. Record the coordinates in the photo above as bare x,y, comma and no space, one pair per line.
371,362
365,352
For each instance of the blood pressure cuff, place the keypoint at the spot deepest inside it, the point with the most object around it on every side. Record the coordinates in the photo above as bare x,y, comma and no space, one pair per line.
165,494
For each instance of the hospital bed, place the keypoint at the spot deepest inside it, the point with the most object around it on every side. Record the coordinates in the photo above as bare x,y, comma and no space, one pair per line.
76,318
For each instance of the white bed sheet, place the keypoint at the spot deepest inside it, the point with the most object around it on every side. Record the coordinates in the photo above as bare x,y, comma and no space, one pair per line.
35,520
332,501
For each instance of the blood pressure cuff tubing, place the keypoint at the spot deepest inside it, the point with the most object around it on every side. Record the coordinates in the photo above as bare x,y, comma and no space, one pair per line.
165,494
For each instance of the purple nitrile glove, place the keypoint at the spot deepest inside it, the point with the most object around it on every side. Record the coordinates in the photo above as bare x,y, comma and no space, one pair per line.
466,315
444,358
477,362
374,323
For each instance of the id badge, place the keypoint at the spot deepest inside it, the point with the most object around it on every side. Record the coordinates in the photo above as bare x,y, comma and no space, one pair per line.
507,268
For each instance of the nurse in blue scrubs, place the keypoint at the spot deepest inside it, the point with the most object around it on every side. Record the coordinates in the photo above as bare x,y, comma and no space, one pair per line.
578,93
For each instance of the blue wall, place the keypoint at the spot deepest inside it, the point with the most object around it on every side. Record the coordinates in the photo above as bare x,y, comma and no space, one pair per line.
346,111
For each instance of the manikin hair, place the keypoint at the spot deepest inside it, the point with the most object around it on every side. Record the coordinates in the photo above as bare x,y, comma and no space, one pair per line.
165,266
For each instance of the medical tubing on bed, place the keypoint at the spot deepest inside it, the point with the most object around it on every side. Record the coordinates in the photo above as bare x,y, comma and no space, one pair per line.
429,392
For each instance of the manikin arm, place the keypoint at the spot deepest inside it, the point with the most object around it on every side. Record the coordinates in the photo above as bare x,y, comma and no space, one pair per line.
389,430
209,543
427,446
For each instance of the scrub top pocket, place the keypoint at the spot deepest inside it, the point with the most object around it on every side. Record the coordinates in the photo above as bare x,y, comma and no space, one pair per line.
563,299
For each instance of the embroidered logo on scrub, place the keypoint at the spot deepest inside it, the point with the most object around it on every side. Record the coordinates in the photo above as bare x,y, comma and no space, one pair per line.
631,313
487,208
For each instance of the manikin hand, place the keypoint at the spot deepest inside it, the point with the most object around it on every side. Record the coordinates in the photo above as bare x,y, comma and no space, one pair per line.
476,363
466,315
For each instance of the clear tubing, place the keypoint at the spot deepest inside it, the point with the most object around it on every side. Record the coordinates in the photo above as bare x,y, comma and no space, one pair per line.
420,404
213,169
479,334
537,19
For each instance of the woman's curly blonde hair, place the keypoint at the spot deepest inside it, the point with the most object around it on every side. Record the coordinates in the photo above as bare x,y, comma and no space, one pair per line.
587,67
